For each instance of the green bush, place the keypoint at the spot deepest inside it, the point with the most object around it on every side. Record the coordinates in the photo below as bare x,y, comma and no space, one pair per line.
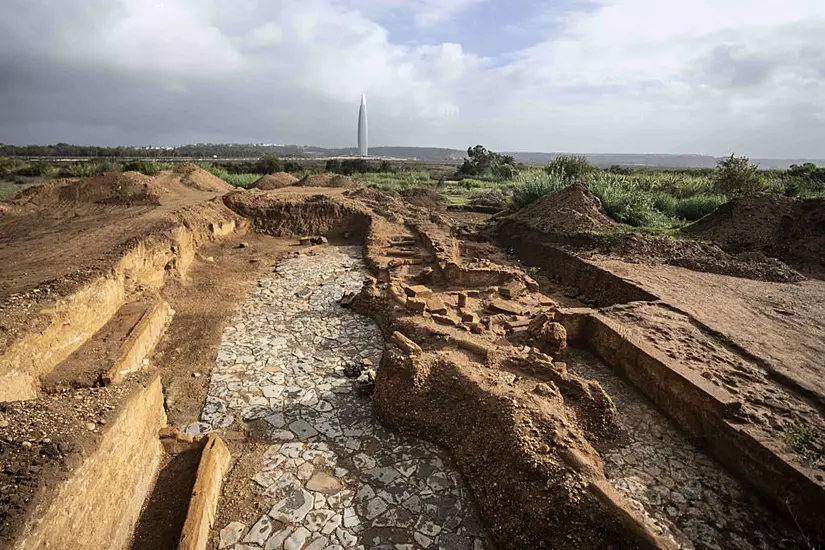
531,185
626,203
737,176
36,170
146,167
697,206
574,167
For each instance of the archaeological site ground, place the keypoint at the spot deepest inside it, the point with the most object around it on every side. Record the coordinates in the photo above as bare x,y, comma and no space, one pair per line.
314,364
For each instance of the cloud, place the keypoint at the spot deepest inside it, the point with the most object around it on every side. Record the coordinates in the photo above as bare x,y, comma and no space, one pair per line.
605,75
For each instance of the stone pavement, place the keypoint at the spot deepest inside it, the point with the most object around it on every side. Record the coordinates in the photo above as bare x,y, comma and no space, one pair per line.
334,477
687,495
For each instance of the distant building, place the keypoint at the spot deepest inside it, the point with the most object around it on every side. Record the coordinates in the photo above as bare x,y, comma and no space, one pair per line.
362,128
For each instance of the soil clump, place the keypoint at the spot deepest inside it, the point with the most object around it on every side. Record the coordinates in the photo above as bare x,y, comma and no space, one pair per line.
571,210
425,198
275,181
327,180
778,226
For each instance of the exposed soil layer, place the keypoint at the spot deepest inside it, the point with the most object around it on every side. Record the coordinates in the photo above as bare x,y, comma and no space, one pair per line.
203,304
783,227
42,441
572,218
571,210
425,198
328,180
275,181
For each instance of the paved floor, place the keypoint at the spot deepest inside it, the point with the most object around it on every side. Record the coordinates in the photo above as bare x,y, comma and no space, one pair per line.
334,477
687,495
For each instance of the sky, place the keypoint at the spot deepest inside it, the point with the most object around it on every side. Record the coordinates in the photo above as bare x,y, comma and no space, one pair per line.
612,76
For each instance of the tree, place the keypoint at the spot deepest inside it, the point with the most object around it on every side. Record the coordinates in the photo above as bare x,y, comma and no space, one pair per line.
737,176
482,162
333,166
269,164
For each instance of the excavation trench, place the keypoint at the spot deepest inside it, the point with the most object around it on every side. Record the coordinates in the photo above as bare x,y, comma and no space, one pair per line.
322,469
686,494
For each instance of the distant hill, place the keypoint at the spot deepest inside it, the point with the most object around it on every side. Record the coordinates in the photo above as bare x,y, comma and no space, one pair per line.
430,154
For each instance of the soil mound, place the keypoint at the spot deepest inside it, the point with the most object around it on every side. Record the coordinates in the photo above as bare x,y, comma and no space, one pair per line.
784,227
425,198
572,210
276,181
327,180
126,188
194,176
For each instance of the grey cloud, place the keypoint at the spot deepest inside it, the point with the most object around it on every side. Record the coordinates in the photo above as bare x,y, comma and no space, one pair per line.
729,67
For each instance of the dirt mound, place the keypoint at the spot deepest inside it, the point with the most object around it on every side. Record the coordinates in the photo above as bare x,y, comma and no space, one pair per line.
694,255
788,228
276,181
572,210
327,180
198,178
425,198
127,188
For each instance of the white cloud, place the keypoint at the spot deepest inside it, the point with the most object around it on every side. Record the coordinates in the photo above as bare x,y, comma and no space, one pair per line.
618,75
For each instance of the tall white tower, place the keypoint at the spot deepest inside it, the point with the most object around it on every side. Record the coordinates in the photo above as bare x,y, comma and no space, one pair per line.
362,128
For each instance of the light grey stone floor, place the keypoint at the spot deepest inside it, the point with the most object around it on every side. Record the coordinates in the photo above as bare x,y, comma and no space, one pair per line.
685,493
334,477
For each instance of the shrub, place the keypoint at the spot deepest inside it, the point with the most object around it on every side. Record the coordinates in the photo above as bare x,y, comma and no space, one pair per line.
269,164
36,170
574,167
531,185
626,203
146,167
737,176
697,206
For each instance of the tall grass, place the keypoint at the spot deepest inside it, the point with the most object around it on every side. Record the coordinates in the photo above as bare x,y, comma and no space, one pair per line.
531,185
653,200
238,180
396,181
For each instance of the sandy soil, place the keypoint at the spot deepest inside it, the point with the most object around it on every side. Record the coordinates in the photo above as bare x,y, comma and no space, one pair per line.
780,323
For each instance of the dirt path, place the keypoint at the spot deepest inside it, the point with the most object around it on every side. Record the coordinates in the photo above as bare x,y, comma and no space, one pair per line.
686,494
325,473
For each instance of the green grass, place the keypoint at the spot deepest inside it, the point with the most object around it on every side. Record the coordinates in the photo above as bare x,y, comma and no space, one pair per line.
396,181
238,180
808,443
7,193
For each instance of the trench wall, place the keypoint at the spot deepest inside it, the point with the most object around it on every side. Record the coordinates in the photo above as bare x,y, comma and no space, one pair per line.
99,504
75,318
704,412
596,284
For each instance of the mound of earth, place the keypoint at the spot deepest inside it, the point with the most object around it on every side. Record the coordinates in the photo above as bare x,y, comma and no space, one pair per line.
788,228
327,180
126,188
275,181
695,255
572,210
425,198
195,176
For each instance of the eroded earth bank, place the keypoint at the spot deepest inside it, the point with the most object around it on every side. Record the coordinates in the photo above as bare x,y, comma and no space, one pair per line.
334,367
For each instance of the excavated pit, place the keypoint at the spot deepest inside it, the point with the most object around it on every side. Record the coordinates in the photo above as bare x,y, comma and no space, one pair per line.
473,437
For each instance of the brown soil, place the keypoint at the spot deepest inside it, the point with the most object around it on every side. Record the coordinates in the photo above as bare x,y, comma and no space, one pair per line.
165,511
473,374
276,181
203,304
425,198
783,227
572,210
42,441
328,180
